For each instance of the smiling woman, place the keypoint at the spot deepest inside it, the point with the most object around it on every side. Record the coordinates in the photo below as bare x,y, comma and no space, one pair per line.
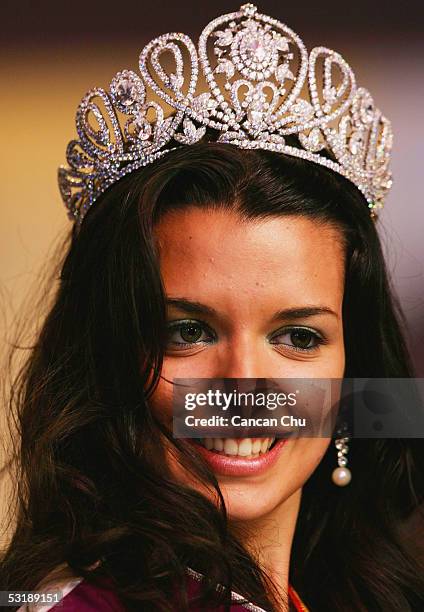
212,262
249,319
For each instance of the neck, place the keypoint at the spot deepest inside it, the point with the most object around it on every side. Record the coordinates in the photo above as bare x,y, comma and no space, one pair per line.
269,540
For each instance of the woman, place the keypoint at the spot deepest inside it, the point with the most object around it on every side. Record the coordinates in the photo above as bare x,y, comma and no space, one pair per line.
213,262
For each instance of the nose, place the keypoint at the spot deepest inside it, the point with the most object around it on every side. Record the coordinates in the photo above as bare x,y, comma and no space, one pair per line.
244,357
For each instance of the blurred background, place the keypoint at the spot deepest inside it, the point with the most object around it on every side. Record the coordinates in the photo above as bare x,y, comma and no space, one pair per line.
53,52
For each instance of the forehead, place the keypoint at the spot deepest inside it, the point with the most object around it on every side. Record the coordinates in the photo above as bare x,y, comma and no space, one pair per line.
206,252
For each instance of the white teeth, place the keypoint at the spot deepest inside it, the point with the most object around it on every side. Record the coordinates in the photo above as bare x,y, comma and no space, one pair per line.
264,445
230,447
244,447
256,447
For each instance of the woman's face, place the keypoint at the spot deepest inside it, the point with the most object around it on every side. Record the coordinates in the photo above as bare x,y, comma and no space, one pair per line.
230,285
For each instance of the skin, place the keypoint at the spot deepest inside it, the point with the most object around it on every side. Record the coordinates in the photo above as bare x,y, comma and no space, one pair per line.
247,271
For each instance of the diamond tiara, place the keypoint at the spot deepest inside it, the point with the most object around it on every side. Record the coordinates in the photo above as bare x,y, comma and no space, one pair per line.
253,83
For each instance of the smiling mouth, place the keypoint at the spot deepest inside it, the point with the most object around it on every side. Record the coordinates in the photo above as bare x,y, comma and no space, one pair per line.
247,448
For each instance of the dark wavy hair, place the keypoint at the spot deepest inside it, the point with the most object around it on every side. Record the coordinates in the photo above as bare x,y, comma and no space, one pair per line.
92,482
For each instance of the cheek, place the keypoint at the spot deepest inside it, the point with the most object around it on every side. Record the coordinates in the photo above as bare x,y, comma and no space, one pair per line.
293,470
307,454
333,364
297,464
194,366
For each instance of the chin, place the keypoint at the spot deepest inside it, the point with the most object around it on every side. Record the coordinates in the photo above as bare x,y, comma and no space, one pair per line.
248,501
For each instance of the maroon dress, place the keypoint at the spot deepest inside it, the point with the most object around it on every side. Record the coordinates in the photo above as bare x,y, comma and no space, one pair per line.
81,596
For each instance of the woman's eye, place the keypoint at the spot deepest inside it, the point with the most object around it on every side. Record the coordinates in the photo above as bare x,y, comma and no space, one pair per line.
185,333
298,338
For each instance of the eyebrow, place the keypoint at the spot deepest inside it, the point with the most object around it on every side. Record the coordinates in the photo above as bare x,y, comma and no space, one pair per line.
303,312
292,314
191,307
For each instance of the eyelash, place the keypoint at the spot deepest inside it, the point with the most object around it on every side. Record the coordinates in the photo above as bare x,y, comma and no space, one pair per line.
318,339
178,324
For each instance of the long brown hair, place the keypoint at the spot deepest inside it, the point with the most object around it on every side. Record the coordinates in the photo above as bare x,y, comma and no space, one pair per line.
91,479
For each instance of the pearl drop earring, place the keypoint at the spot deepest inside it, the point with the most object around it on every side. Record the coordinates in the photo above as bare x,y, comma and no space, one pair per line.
342,475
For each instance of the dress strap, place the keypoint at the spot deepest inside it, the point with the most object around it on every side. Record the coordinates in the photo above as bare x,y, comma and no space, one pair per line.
296,601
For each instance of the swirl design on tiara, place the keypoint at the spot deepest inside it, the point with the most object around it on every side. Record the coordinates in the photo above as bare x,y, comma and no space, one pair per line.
258,88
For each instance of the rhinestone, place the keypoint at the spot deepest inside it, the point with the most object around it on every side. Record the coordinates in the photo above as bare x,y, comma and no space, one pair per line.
126,91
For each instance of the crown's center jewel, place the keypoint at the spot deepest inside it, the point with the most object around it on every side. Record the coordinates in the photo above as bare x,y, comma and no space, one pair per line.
255,46
254,49
126,90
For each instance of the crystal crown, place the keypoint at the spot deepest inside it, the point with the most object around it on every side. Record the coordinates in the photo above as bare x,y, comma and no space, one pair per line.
251,81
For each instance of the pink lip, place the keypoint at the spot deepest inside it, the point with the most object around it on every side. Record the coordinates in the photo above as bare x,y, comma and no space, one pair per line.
231,465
